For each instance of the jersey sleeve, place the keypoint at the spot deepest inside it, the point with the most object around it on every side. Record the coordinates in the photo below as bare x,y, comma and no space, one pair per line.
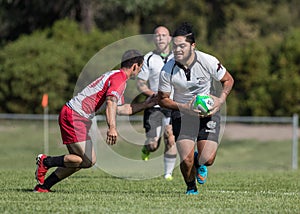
165,80
144,73
117,85
218,70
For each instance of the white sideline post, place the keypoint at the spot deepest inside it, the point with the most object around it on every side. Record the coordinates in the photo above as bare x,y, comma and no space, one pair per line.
295,142
46,130
46,123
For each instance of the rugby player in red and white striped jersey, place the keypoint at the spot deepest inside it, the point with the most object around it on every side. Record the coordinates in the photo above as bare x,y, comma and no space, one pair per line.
75,121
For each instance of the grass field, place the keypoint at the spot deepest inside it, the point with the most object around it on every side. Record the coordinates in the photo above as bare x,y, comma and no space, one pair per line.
247,177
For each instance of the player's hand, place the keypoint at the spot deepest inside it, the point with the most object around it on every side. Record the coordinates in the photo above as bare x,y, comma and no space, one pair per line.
191,110
111,136
151,101
199,113
217,105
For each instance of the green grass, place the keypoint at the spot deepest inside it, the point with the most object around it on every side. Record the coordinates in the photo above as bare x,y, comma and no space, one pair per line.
247,177
92,191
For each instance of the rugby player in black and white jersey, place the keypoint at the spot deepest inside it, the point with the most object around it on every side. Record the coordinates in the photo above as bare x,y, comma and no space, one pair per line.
157,119
193,72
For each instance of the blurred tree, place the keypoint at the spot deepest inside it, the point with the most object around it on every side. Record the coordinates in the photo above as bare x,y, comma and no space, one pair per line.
286,76
249,37
251,72
48,61
24,16
33,66
111,14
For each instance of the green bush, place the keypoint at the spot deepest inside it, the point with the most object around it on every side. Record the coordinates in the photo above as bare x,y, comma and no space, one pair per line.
286,76
31,66
266,69
48,61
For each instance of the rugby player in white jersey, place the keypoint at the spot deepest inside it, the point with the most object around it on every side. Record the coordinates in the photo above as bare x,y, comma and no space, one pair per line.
75,121
157,119
193,72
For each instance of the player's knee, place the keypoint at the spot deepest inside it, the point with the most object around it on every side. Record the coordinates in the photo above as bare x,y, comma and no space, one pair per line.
188,161
75,160
88,163
168,133
169,140
210,161
93,162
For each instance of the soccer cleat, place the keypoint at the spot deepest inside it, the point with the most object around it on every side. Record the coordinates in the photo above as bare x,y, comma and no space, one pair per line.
145,154
192,192
201,171
168,177
38,188
201,174
41,169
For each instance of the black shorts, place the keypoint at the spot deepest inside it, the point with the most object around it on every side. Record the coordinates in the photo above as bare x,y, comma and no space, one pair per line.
195,128
154,118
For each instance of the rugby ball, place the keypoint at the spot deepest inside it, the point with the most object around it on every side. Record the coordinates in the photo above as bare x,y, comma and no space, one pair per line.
203,103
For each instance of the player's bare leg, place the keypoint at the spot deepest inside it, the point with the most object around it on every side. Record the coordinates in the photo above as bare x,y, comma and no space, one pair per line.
169,152
207,151
82,155
185,150
151,143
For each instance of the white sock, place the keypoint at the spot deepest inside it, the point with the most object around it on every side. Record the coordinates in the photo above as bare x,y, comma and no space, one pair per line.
169,163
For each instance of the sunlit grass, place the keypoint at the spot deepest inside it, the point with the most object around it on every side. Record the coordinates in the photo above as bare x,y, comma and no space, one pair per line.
247,177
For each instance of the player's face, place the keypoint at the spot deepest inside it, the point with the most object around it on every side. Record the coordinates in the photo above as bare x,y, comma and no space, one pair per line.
162,39
136,70
182,49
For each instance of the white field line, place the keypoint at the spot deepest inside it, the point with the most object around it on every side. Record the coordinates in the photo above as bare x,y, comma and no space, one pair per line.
259,192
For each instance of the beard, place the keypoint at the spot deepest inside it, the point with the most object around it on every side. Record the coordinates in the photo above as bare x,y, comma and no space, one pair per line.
185,57
161,47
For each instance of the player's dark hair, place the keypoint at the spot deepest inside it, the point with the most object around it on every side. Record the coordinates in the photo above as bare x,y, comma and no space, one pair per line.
185,29
130,57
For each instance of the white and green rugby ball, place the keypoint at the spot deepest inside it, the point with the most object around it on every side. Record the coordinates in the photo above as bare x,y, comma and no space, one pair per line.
203,103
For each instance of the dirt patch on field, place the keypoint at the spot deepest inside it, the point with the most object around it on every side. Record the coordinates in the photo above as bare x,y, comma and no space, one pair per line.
258,132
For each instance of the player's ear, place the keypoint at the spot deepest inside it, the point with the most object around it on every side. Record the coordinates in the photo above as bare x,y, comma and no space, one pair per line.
193,46
134,67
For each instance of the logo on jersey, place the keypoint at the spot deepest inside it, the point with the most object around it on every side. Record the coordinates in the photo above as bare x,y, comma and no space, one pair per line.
219,67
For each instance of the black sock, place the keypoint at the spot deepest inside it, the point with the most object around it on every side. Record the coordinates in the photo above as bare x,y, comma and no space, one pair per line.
54,161
196,163
191,185
50,181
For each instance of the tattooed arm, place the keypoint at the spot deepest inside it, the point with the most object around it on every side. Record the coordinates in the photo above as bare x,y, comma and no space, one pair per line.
143,87
227,82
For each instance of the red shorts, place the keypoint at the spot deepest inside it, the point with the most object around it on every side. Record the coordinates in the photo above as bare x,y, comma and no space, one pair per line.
73,127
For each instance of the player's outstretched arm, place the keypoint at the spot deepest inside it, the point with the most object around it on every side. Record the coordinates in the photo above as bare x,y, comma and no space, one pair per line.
129,109
111,112
165,101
